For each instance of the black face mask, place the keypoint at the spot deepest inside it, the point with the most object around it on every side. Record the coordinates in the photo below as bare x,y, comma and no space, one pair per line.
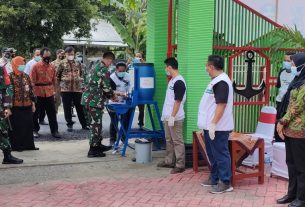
46,59
8,55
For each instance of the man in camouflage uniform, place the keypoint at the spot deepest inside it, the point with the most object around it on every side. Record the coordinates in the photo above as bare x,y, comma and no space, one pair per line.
5,105
60,55
97,93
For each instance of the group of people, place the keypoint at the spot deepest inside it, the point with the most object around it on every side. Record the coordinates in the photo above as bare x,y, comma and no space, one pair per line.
28,89
215,119
39,86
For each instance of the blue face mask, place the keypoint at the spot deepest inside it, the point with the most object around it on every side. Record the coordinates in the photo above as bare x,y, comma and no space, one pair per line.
37,58
21,68
120,74
286,65
295,71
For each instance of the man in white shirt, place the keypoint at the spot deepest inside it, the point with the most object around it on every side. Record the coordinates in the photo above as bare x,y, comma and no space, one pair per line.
36,58
215,118
285,77
173,117
120,83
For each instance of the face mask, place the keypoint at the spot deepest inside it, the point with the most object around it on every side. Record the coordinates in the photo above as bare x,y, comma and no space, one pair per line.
46,60
120,74
136,60
37,58
21,68
294,70
8,56
71,57
286,65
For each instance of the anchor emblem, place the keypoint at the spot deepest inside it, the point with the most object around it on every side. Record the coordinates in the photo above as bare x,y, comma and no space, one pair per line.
249,91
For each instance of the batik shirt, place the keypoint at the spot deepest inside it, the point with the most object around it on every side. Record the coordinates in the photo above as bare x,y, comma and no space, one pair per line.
69,76
23,95
294,119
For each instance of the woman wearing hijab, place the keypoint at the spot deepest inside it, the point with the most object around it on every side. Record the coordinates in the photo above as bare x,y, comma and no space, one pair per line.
291,128
21,134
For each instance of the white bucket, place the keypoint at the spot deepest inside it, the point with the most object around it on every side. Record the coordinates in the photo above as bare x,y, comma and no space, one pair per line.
143,150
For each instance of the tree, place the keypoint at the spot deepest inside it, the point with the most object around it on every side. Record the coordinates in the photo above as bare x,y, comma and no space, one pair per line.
25,25
132,27
289,37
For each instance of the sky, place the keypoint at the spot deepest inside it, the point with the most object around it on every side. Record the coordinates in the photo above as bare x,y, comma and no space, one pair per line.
290,12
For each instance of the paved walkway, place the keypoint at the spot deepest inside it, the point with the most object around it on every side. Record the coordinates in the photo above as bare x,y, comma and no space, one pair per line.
60,175
173,190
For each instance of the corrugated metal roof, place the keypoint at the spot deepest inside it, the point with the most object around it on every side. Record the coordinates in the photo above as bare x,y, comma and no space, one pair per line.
102,34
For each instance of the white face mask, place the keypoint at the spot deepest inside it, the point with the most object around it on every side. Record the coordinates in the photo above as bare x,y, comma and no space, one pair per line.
71,57
294,70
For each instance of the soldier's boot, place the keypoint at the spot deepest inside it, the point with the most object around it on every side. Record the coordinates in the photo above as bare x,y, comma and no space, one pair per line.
105,148
96,152
10,159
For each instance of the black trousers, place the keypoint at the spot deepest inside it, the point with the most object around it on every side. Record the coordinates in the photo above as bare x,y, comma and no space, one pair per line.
42,115
141,115
114,124
47,104
276,135
295,156
69,99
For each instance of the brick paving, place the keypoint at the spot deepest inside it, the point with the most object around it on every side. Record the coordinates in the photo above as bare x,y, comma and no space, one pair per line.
182,190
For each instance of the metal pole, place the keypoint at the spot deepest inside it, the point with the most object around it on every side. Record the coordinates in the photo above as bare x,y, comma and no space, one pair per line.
276,10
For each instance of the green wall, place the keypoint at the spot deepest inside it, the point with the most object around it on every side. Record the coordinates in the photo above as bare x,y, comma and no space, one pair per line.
157,46
195,42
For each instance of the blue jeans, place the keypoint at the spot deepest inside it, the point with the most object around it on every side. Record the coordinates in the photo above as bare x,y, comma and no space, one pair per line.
219,156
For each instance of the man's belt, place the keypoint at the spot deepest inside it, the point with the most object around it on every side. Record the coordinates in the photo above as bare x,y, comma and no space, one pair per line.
43,84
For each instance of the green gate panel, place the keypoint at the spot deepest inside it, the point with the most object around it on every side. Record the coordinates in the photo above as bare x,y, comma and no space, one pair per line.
195,43
157,47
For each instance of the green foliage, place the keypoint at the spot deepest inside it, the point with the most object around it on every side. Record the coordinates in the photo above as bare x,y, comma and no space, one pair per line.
289,37
132,27
25,25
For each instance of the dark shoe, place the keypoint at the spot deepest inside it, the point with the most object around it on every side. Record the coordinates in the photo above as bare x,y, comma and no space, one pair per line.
177,170
285,199
36,135
10,159
208,183
221,188
43,122
56,135
70,128
85,128
105,148
297,203
164,165
95,152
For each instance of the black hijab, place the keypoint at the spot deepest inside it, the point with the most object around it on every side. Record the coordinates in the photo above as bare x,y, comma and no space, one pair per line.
298,81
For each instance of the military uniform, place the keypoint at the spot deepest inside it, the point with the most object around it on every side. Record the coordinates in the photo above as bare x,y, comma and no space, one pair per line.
5,102
97,92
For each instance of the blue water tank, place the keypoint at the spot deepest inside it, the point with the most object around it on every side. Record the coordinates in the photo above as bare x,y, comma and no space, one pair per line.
144,82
